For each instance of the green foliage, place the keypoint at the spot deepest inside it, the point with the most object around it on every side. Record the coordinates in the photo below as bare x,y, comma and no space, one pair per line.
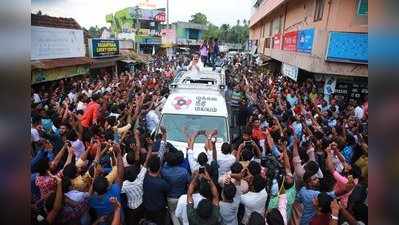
199,18
95,32
235,34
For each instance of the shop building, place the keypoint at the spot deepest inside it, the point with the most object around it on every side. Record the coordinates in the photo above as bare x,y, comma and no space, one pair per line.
323,39
58,49
143,25
189,35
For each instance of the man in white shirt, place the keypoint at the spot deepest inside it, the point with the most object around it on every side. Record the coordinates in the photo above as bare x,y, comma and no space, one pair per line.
359,112
181,208
225,159
196,64
255,199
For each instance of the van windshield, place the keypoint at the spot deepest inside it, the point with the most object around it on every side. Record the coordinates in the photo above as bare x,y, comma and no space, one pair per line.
178,126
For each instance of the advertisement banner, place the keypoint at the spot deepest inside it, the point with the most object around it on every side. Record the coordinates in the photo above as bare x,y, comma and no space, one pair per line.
100,48
289,71
148,14
347,47
149,40
305,40
55,43
168,36
277,41
143,32
289,41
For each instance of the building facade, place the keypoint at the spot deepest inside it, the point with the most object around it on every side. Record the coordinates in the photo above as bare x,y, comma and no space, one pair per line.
143,26
189,34
58,49
322,38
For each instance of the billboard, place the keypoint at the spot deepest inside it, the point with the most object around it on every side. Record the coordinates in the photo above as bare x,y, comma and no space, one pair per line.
99,48
148,14
55,43
347,47
289,41
168,36
305,40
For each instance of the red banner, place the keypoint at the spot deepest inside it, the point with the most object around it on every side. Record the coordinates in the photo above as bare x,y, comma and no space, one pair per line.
277,41
289,41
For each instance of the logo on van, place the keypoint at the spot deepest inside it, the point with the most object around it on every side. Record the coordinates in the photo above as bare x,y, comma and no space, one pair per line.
181,102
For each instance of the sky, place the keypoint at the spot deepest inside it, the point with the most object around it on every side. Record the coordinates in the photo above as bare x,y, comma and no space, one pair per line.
92,12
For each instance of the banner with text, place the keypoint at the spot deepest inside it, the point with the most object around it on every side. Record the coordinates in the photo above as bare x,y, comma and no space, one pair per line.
100,48
305,40
289,41
289,71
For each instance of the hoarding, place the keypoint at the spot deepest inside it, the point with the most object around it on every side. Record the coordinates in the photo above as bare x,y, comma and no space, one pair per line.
55,43
305,40
347,47
100,48
168,36
39,76
289,71
148,14
289,41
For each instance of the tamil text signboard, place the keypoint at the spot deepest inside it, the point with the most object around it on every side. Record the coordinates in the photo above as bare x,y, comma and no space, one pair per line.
289,41
55,43
305,40
100,48
289,71
347,47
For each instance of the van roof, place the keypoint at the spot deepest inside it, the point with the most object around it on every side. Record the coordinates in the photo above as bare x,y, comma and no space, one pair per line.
213,77
189,102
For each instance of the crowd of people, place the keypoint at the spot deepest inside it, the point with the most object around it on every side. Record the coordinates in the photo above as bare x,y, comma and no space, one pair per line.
299,158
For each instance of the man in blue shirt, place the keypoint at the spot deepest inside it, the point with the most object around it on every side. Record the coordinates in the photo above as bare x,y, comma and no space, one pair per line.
101,192
310,191
177,177
155,192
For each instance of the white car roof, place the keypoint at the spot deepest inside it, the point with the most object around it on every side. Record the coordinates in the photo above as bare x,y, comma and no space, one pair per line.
191,102
203,75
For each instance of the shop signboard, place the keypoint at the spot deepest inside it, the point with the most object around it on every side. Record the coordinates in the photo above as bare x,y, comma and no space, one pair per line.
289,71
289,41
347,47
100,48
39,76
277,41
143,32
305,40
55,43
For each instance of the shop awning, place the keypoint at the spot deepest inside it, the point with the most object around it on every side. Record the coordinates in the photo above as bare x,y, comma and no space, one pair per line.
57,63
105,62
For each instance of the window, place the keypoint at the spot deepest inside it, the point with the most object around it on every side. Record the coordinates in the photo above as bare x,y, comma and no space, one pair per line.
178,126
318,13
268,42
276,25
363,7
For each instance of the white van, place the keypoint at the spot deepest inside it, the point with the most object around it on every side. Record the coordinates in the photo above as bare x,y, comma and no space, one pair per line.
189,110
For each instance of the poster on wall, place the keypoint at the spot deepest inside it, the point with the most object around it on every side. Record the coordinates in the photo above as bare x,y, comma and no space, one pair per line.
277,41
329,85
289,41
305,40
100,48
347,47
55,43
289,71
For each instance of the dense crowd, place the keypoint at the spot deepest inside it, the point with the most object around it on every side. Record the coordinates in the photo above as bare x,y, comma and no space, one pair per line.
299,158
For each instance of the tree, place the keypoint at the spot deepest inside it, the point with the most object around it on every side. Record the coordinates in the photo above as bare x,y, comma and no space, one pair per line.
199,18
238,22
212,32
95,32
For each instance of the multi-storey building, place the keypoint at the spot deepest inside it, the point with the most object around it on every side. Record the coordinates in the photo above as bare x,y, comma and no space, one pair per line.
324,39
